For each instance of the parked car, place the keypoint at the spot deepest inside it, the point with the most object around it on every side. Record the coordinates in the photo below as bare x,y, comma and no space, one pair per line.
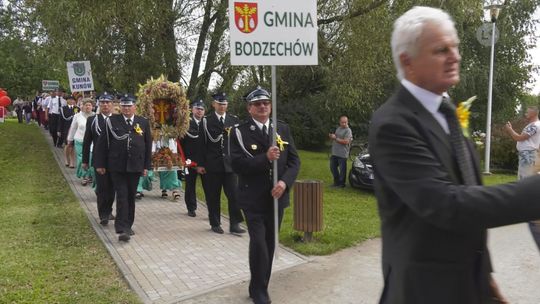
361,173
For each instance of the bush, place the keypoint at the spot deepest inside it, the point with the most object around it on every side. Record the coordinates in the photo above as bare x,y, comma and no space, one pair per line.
503,147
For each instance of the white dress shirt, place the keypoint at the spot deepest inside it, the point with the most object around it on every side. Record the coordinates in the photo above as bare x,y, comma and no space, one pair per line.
55,104
429,100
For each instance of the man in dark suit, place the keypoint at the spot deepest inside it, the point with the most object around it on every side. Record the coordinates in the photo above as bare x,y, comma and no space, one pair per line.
95,125
52,114
64,123
189,145
252,154
124,150
434,211
214,165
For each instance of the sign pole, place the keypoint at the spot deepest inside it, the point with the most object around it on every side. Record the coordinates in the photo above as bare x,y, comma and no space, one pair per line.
275,162
489,105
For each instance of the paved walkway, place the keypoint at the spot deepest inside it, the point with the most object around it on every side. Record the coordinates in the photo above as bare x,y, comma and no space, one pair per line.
172,257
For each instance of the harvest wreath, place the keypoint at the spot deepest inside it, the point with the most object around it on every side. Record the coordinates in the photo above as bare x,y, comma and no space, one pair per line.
165,105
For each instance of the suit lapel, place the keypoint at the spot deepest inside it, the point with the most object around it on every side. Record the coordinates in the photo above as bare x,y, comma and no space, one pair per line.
257,134
440,141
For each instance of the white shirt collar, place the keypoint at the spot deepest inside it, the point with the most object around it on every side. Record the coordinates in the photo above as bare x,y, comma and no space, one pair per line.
126,118
219,116
260,124
429,100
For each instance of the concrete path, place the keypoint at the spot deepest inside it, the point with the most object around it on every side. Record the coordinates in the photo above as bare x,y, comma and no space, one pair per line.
172,257
353,276
176,259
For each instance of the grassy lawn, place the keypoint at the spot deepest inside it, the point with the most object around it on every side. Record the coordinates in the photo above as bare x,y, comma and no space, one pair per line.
49,253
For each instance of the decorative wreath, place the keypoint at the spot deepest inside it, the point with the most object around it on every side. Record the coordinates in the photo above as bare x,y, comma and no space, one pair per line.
162,89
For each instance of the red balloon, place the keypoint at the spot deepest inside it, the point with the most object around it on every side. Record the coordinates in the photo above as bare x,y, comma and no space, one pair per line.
5,101
3,93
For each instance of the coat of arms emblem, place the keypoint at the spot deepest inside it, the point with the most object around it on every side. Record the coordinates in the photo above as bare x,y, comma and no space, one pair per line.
79,69
245,16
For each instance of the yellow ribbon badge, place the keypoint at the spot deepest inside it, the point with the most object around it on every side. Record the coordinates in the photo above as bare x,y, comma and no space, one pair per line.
138,129
280,142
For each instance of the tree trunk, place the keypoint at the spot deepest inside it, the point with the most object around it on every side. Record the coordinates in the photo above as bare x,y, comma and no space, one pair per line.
213,49
170,54
207,21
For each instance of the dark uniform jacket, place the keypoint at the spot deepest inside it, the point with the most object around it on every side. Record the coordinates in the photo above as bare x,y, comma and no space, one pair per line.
213,143
66,118
249,161
434,227
95,125
189,142
130,154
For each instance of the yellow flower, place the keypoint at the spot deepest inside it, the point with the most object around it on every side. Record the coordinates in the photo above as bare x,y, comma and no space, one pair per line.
138,129
280,142
463,112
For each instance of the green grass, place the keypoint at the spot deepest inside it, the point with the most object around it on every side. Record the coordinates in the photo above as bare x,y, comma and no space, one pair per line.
48,250
349,215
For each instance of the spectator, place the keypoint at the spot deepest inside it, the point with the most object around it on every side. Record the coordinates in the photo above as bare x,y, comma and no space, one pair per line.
341,140
27,110
527,144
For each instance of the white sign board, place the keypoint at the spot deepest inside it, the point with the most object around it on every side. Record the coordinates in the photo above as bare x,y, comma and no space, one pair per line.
80,76
50,85
273,32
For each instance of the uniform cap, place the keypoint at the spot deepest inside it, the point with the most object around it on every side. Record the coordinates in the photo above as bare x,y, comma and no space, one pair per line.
198,104
220,98
258,94
127,100
105,97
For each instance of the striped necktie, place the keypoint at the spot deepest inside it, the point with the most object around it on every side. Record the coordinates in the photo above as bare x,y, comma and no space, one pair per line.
463,156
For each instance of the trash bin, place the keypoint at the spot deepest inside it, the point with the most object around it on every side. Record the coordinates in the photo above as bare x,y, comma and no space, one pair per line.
308,207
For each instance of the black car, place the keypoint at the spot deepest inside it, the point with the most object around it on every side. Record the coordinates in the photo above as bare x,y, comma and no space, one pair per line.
361,173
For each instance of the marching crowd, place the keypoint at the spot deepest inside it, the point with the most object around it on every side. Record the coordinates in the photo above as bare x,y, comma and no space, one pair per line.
110,149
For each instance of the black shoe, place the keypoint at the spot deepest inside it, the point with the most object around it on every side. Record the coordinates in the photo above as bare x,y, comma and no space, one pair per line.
164,194
131,232
237,229
123,237
217,229
104,222
111,217
192,213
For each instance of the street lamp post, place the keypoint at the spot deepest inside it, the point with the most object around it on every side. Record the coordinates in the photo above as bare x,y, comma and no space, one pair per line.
494,9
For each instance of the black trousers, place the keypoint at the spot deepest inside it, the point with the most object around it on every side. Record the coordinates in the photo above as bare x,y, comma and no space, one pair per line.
125,186
105,195
190,196
213,182
19,116
261,251
53,127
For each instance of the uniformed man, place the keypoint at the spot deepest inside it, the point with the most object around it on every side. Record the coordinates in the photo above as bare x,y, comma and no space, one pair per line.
52,113
124,150
252,155
215,169
64,123
189,145
95,125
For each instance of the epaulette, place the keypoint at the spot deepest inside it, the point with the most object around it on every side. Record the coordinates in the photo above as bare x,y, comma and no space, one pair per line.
232,115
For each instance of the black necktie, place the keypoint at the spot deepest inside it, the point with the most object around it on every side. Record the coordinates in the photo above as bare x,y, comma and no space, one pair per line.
221,121
457,141
128,121
265,133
